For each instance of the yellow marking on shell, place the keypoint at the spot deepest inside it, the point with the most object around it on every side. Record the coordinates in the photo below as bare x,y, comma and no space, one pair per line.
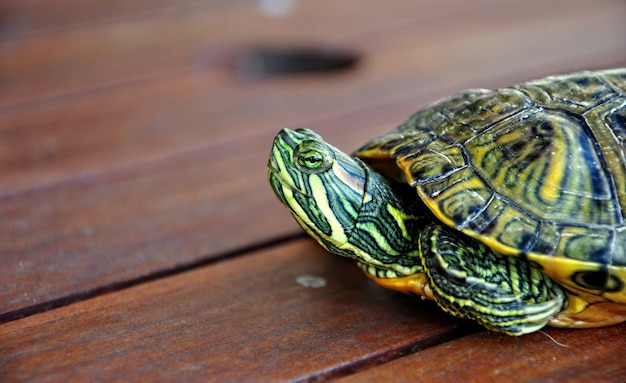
619,273
491,242
585,308
434,208
550,190
586,311
475,183
561,269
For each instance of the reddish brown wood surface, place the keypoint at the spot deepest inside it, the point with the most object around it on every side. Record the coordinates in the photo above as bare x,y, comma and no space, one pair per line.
594,355
134,185
247,318
89,160
416,58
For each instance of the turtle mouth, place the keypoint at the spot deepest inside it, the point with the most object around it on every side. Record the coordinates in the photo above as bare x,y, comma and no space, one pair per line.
280,179
280,183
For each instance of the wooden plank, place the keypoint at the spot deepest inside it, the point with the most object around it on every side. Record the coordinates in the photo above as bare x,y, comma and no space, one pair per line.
116,226
29,17
126,224
50,141
130,221
145,47
104,55
118,194
594,355
246,318
102,194
120,224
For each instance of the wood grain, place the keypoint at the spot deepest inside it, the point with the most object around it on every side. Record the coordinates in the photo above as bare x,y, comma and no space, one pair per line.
594,355
238,320
49,141
30,17
139,237
149,46
146,48
132,181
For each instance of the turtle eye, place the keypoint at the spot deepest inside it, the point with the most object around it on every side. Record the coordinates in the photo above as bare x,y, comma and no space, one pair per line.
312,160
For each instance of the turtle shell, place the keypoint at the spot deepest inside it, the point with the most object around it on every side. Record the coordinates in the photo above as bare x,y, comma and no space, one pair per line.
537,170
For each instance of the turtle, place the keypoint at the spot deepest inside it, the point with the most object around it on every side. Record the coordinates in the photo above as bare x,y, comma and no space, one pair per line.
506,207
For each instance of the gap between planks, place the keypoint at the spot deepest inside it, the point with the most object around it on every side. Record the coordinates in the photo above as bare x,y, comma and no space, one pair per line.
66,300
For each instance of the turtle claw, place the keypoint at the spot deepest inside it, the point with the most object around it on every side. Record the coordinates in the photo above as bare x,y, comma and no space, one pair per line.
535,316
544,309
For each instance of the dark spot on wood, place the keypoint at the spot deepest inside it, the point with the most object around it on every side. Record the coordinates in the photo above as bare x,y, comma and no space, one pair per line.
284,61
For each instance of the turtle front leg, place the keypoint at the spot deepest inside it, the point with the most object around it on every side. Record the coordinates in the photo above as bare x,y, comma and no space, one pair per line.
469,280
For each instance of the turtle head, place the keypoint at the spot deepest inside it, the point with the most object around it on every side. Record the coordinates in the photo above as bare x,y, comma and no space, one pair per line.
322,187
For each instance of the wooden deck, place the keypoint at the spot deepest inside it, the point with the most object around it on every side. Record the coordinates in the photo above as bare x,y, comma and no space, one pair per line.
139,239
